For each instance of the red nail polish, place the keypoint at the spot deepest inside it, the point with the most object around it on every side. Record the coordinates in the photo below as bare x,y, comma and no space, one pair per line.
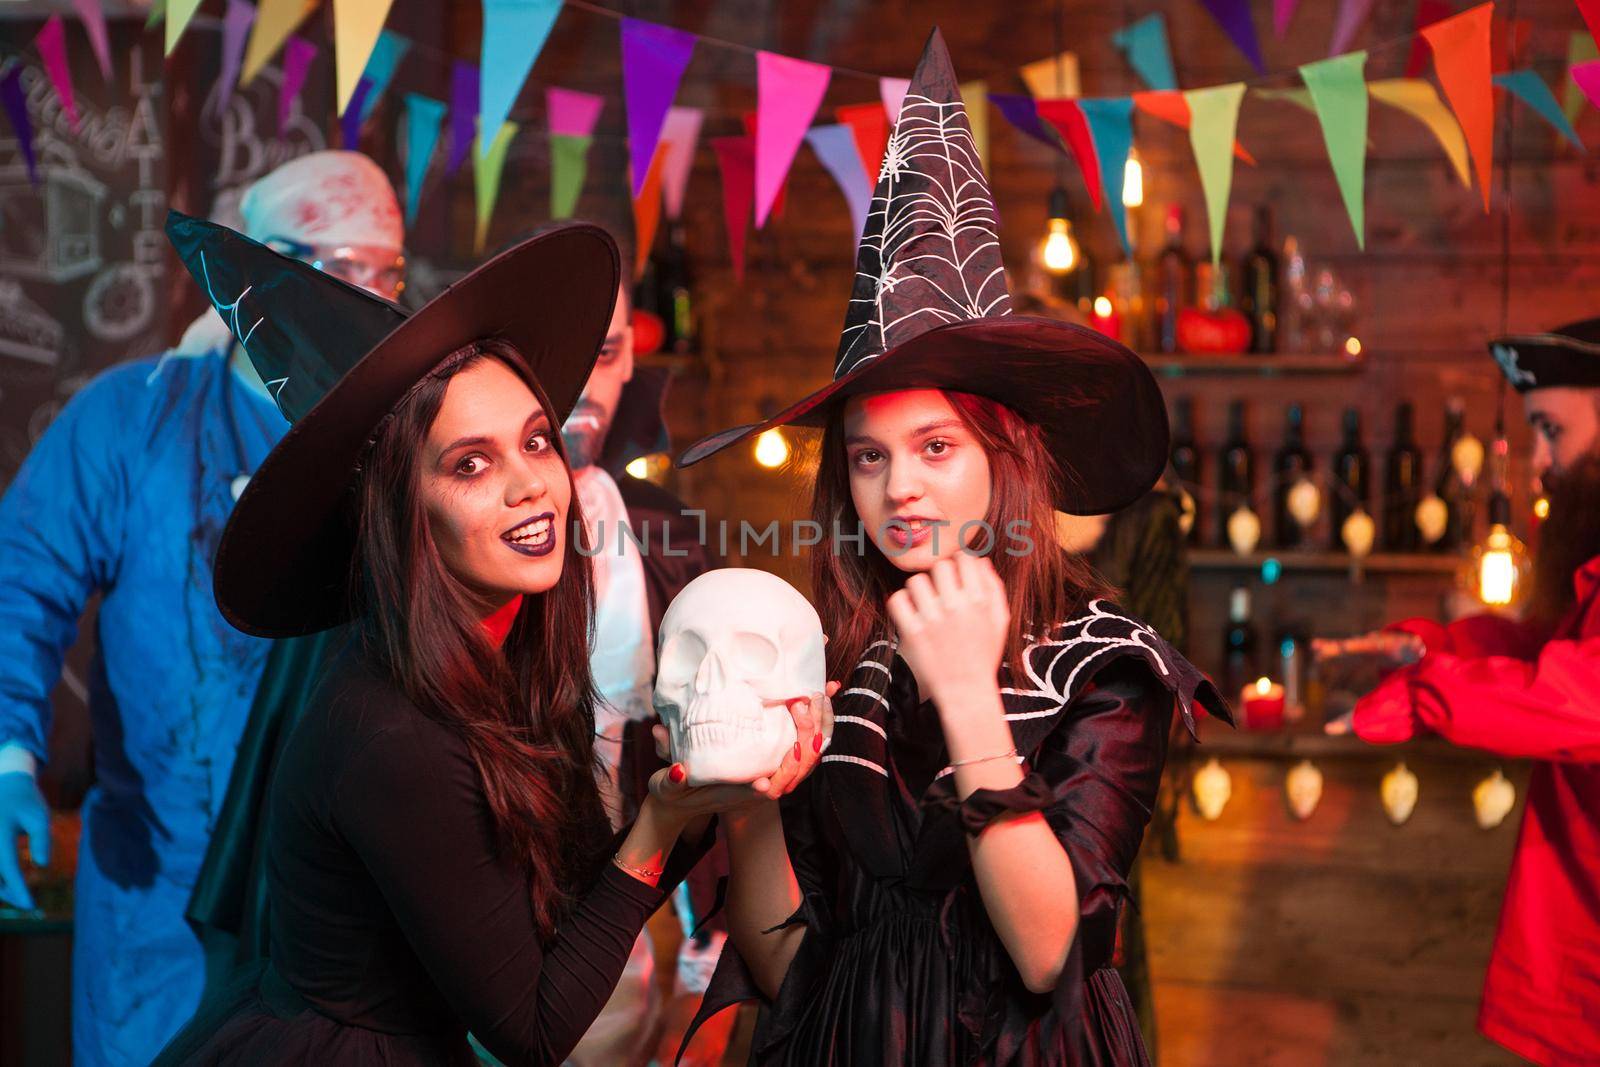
797,750
816,742
677,773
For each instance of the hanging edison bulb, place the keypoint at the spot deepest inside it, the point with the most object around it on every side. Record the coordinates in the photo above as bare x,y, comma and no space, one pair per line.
1132,180
1500,563
1304,501
771,449
1466,456
1432,518
1358,533
1244,530
1060,250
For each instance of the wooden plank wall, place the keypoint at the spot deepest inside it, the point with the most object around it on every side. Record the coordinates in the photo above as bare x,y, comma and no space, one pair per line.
1340,941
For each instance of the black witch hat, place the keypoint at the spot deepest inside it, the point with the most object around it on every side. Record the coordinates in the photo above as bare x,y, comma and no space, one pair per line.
1566,356
930,309
338,359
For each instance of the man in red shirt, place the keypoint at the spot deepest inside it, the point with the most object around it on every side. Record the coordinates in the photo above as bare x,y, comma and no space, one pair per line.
1531,689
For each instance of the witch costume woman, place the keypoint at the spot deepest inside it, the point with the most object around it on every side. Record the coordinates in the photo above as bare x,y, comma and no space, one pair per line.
899,960
403,912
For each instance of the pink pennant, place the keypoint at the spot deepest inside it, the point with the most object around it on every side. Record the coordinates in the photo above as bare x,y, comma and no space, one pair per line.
52,46
788,93
1283,14
1587,75
736,158
680,133
297,56
572,114
1353,14
94,24
893,92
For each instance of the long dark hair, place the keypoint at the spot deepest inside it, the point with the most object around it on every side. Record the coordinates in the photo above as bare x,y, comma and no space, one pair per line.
526,711
1045,585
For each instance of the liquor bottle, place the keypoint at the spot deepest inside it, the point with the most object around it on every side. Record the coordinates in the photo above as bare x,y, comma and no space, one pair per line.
1447,483
1186,460
1292,463
1258,294
1352,478
676,299
1402,487
1172,282
1126,290
1238,644
1293,651
1236,472
1294,300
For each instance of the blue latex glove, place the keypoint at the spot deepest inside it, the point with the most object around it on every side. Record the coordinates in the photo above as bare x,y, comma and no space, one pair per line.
22,811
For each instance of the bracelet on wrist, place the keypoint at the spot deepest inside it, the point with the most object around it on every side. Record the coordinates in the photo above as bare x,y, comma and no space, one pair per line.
1010,753
644,874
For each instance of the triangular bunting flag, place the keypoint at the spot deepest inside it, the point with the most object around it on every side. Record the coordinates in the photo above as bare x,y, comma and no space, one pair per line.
1590,10
1144,43
423,119
680,132
1460,46
52,48
158,11
350,121
1353,15
236,24
356,25
569,166
514,33
870,128
464,88
275,21
1581,48
1531,90
1283,14
1053,77
179,12
892,91
297,56
94,24
1214,116
752,125
1428,12
486,170
736,159
653,61
1417,98
1234,18
789,92
1587,77
1019,110
1067,118
16,108
647,212
381,65
1111,125
835,146
1339,91
1173,108
571,113
974,97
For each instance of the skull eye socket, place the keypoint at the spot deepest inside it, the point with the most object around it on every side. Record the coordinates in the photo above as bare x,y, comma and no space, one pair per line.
680,659
754,653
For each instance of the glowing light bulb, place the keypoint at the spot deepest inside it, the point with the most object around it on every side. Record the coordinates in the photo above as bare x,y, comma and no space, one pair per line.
1541,508
1352,347
639,468
771,449
1132,181
1060,250
1102,307
1263,686
1497,567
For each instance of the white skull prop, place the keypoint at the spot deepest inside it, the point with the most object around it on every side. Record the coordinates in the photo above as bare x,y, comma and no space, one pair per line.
736,646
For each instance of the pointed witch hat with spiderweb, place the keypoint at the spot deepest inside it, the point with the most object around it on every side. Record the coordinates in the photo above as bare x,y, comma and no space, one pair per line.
930,310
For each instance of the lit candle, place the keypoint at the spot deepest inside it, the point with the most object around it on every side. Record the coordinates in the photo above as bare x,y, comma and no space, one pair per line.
1104,318
1263,705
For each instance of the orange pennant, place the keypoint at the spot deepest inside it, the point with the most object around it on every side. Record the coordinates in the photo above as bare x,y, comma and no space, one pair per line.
870,125
1169,105
1461,52
647,211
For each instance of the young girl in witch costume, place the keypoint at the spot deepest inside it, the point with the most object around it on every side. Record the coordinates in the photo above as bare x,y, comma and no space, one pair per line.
945,890
438,858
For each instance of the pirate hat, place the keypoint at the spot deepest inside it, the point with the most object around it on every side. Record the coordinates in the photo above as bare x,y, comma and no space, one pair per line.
930,310
337,360
1566,356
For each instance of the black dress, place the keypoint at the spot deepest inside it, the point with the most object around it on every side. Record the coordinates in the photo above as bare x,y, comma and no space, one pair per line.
899,963
394,926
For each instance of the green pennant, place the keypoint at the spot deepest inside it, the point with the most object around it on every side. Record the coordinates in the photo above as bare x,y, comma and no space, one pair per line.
569,163
1580,49
1339,91
486,170
1213,120
158,11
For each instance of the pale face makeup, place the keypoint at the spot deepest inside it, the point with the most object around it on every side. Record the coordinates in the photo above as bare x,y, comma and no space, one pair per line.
586,428
494,487
917,475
